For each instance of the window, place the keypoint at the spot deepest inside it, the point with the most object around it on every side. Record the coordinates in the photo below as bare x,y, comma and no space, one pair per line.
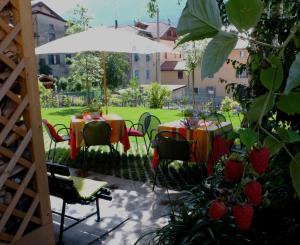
57,59
51,27
51,37
67,59
211,91
148,57
211,76
53,59
148,74
136,57
196,90
180,74
137,74
241,74
242,54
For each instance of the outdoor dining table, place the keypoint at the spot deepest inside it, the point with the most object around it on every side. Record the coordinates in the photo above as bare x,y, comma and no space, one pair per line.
203,136
118,132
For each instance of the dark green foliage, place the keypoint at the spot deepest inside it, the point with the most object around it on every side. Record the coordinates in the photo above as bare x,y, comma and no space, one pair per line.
44,68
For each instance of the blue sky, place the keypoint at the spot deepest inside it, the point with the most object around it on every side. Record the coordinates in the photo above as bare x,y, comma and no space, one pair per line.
104,12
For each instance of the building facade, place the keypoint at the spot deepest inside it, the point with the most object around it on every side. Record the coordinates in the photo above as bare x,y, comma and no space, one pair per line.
48,26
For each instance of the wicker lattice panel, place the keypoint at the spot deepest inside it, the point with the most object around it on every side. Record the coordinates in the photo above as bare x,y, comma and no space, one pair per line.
24,198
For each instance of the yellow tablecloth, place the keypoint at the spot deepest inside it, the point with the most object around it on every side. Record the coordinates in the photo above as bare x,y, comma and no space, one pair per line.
203,135
118,133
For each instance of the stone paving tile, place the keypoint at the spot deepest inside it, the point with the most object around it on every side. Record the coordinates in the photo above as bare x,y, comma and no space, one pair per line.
131,199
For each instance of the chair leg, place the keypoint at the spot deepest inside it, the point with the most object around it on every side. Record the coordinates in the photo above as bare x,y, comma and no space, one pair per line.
155,177
98,210
145,142
136,141
48,157
62,219
54,152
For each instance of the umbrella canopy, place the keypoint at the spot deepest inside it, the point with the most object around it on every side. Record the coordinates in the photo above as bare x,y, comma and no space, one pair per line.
103,39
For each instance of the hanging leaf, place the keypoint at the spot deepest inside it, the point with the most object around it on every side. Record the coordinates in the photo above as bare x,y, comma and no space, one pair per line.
273,145
196,35
217,52
288,136
248,137
272,77
294,75
199,19
295,173
290,103
257,106
244,14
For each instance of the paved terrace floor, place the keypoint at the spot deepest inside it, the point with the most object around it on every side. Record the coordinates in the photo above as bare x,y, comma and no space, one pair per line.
132,200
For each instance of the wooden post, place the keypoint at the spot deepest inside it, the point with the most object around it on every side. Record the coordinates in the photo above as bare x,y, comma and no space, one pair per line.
22,152
104,80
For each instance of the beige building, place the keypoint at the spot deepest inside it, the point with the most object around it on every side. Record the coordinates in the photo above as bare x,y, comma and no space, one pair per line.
174,73
49,26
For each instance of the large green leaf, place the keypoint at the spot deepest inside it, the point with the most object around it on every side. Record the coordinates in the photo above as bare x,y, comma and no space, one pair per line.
295,173
201,16
217,52
272,77
256,108
290,103
294,75
248,137
196,35
273,145
244,14
288,136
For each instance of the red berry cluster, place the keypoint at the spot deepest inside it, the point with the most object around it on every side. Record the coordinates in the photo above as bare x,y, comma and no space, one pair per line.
235,170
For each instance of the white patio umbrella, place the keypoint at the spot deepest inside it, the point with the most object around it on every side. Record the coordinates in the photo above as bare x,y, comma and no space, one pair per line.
105,40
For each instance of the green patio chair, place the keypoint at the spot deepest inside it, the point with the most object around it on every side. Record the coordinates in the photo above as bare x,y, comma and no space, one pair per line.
139,130
153,123
74,190
172,146
97,133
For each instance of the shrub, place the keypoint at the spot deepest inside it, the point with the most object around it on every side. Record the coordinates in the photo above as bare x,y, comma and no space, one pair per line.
228,104
157,95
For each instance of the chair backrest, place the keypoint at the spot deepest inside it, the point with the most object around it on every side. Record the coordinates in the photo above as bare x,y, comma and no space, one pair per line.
96,133
153,123
51,131
172,146
216,117
59,186
143,123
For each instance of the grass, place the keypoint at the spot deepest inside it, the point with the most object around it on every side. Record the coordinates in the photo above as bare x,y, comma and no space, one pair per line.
63,115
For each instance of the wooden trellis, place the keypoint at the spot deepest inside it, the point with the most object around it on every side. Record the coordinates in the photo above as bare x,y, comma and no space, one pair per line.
24,197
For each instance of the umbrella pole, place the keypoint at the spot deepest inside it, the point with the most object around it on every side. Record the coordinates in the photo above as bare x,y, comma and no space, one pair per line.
104,81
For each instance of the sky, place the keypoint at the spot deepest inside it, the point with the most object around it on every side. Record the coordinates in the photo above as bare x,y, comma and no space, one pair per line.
104,12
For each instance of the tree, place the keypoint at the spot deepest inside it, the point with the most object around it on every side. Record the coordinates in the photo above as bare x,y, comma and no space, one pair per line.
44,68
86,67
193,56
117,69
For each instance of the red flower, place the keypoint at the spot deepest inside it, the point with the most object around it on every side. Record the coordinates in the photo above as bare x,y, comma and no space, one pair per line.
260,159
217,210
243,215
253,190
233,170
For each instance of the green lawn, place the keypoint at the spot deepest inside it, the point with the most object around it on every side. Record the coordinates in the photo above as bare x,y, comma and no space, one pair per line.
63,115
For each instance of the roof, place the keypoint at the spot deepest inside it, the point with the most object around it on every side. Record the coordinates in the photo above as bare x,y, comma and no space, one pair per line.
169,86
173,66
136,30
151,27
51,13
